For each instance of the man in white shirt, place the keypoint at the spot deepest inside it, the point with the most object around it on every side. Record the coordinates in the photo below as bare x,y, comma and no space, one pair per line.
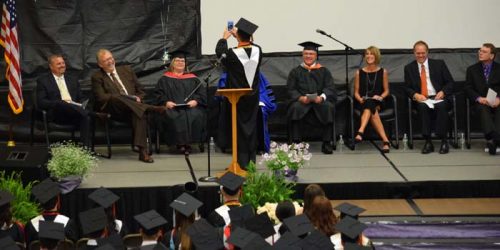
60,95
430,79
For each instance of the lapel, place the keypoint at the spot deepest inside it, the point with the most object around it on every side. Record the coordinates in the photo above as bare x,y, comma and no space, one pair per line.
123,77
416,74
432,72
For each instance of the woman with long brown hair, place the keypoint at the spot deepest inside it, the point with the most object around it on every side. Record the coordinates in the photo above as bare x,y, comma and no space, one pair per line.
321,215
185,209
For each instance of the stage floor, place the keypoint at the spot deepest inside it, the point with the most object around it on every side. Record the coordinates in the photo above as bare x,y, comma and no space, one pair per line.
365,164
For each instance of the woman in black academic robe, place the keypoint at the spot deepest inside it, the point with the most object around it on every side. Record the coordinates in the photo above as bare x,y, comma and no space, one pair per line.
184,121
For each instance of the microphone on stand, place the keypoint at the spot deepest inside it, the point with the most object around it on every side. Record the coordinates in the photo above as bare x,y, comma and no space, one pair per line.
321,32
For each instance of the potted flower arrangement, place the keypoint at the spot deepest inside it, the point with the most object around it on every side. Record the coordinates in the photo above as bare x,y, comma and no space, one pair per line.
286,159
69,164
262,187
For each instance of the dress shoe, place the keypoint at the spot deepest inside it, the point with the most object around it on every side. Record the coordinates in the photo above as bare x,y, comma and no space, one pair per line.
145,157
492,147
386,147
327,148
445,148
359,137
428,148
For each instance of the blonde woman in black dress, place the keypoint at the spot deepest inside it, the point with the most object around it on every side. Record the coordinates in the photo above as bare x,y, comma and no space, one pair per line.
371,87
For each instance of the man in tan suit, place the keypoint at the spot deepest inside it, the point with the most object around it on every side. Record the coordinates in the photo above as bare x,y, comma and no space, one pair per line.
118,92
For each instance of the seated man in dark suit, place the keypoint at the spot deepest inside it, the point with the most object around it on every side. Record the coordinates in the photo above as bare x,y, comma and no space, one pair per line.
60,95
429,79
117,91
312,95
481,77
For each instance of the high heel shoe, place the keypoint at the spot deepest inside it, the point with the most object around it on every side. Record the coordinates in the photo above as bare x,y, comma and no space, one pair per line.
359,136
388,149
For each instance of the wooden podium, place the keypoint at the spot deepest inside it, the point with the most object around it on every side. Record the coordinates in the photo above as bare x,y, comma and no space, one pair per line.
233,95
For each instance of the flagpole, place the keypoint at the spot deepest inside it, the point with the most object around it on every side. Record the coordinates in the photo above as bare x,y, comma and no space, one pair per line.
11,142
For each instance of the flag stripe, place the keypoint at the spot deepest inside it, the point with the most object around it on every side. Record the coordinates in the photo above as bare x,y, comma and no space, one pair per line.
9,40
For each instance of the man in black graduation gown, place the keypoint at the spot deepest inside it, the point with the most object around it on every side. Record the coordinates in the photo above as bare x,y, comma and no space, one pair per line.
242,64
231,185
183,96
427,78
47,194
481,77
60,94
312,97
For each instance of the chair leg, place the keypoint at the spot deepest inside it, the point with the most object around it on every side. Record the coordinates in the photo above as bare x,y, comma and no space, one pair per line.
32,131
467,126
46,128
157,141
108,139
396,132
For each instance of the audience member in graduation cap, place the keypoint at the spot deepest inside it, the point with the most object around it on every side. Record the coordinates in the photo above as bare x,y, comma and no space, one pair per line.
115,241
311,192
107,200
8,227
242,238
299,225
185,99
242,67
47,194
322,217
151,226
351,230
51,233
284,209
312,98
205,236
316,240
348,209
230,191
93,225
185,212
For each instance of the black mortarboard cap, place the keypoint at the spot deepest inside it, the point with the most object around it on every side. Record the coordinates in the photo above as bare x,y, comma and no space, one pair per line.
51,230
5,197
231,181
287,241
114,240
45,190
204,235
7,243
310,45
150,220
350,227
178,54
349,209
260,224
299,225
239,215
93,220
245,239
186,204
355,246
104,197
316,240
246,26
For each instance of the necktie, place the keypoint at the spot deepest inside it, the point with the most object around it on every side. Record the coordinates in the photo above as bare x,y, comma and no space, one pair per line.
117,84
423,81
486,72
65,96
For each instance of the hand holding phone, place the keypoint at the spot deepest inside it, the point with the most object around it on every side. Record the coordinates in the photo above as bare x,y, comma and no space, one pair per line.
230,25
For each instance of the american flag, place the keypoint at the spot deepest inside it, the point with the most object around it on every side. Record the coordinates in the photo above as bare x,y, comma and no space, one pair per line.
8,39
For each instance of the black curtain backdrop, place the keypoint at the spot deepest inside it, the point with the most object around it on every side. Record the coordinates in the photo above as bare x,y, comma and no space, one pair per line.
132,30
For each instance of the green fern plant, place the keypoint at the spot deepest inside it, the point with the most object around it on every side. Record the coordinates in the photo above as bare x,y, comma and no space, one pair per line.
260,188
69,159
23,209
